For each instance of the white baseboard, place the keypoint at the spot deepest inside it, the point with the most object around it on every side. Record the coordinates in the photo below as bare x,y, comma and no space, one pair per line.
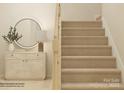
115,52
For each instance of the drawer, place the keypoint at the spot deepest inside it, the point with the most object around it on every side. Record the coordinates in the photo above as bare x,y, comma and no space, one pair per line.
16,56
25,56
35,56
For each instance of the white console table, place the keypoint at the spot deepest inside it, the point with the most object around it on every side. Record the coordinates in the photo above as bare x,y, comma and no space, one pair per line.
25,66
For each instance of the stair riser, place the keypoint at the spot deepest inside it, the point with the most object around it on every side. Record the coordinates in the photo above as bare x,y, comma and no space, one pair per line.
101,77
82,33
81,24
84,40
86,51
89,63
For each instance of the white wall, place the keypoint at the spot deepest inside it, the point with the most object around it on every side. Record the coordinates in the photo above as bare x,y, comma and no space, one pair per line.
80,12
11,13
113,16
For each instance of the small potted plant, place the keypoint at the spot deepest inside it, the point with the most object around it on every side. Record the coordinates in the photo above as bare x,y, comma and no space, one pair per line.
11,37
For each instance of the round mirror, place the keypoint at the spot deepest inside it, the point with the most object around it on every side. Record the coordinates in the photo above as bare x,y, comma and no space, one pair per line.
29,30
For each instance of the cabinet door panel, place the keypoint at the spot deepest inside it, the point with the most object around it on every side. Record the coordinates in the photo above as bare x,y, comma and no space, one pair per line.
14,69
33,69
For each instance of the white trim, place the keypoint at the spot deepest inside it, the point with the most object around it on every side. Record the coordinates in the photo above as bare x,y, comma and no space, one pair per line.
115,52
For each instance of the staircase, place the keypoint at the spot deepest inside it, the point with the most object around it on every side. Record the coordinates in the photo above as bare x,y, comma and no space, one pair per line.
87,61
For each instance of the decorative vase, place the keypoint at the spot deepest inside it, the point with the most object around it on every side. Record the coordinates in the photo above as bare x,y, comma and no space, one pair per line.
11,47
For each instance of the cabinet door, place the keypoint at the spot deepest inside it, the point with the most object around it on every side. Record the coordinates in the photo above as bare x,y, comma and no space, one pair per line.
14,69
33,69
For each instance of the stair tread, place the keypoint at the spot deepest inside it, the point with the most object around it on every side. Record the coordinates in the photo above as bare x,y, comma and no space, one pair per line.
84,40
83,32
84,21
92,57
81,28
86,46
86,50
91,70
84,36
92,86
